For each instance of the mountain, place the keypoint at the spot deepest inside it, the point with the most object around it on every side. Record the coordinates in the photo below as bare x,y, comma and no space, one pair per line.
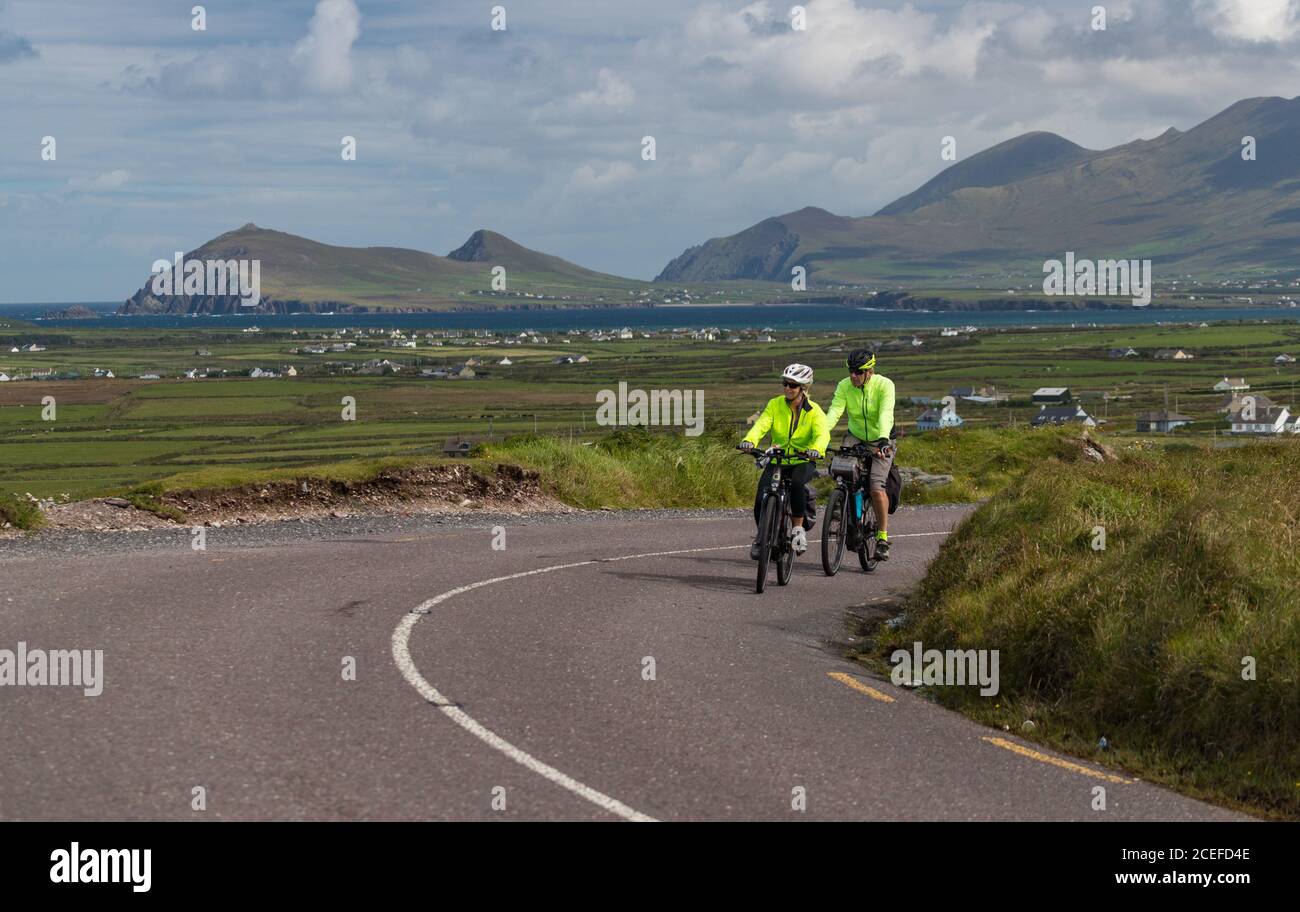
299,275
1186,200
1015,159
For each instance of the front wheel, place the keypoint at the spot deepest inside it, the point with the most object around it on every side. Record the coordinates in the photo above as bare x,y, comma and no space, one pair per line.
785,556
765,527
833,534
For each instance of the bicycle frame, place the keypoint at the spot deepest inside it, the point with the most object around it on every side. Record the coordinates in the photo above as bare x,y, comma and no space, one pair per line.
771,533
844,524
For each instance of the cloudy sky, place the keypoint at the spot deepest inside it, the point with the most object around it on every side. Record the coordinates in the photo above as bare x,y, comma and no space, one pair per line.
167,136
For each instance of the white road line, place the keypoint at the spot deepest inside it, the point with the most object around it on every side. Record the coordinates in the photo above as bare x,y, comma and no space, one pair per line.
402,656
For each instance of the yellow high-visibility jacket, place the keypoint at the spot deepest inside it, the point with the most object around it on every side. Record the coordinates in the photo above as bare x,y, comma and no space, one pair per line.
870,409
807,430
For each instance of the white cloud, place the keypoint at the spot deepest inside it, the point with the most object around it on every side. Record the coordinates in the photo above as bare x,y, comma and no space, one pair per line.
611,91
766,165
110,180
845,51
325,53
1251,20
600,177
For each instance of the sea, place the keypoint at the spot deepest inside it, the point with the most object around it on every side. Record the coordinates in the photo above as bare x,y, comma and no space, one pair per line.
776,317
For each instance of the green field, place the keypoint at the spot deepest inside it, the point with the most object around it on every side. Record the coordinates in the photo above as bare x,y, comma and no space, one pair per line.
109,435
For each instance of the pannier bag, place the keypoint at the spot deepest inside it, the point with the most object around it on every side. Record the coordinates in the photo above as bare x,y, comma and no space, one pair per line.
893,487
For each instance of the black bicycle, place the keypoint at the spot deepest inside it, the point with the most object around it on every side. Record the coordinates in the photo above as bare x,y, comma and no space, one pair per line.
850,515
774,520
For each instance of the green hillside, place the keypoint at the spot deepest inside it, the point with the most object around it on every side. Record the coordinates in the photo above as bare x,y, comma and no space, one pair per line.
299,274
1187,201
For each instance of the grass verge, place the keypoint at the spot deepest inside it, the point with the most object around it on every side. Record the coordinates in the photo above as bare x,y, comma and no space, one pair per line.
1179,642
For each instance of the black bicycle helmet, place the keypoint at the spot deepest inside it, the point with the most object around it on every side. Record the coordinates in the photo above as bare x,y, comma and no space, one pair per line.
861,359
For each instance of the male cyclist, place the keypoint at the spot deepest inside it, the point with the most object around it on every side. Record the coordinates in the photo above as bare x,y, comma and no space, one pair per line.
868,397
796,423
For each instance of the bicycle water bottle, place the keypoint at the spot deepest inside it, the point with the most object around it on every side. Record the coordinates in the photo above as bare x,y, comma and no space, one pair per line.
857,505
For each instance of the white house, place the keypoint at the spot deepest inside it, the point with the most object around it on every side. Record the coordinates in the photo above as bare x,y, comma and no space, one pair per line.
934,419
948,332
625,333
1062,415
1284,359
505,362
1231,384
291,371
4,378
1257,420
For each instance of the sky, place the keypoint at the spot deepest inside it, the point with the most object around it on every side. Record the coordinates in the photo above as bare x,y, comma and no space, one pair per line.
167,136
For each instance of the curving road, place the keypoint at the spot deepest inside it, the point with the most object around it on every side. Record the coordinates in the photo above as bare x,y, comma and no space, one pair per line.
487,674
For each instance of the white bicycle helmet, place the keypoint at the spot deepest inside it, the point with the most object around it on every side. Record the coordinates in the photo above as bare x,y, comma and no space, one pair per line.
799,373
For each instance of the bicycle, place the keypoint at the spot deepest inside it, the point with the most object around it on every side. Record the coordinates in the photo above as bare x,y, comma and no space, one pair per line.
774,521
850,516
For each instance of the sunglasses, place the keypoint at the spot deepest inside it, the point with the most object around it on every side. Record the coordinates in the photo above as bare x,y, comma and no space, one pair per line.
790,384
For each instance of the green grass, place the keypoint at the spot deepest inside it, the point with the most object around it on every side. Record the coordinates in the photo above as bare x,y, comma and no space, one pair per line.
1142,642
218,477
146,498
20,512
981,461
633,468
622,470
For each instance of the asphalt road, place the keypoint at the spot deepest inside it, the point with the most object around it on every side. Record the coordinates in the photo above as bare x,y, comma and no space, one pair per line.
223,669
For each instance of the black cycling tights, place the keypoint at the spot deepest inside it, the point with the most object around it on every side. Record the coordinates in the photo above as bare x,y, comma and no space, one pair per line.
797,476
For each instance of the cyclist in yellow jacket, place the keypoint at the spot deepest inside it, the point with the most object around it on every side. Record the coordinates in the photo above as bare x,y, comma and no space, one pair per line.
868,398
796,423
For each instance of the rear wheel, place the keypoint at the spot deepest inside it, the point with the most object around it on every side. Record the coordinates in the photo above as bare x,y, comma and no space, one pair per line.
867,544
765,524
833,534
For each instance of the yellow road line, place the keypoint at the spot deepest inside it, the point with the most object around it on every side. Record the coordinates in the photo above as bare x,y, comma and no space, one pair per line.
1056,761
859,686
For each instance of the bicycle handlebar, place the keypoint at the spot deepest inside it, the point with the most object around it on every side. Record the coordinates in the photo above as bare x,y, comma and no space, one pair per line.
864,449
777,453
